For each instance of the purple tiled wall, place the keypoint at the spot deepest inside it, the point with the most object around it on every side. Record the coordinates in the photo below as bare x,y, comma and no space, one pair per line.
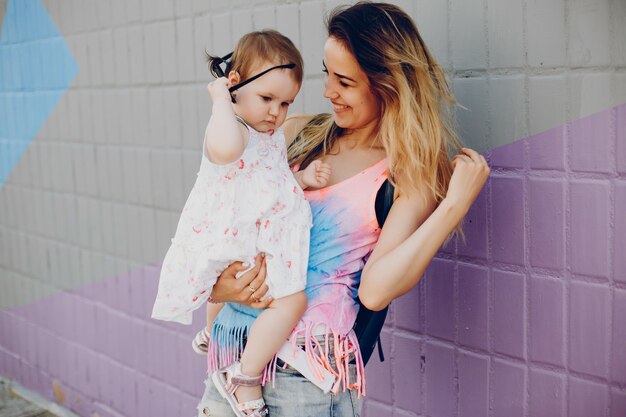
525,319
108,356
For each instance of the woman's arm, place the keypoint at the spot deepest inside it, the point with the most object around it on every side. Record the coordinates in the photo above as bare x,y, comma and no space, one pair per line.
415,230
225,138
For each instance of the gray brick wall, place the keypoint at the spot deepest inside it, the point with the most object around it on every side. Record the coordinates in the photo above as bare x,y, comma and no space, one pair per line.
86,216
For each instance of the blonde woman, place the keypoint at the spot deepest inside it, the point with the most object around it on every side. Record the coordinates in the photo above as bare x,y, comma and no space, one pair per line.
390,123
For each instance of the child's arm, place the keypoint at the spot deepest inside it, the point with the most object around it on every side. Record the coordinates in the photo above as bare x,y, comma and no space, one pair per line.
316,175
225,138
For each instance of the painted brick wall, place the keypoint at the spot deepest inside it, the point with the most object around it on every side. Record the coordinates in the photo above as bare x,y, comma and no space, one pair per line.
102,107
526,318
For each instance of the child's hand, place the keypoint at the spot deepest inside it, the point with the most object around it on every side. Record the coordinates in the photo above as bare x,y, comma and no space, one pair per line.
316,175
218,89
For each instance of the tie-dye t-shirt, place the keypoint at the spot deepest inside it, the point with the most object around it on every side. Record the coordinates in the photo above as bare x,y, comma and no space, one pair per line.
344,233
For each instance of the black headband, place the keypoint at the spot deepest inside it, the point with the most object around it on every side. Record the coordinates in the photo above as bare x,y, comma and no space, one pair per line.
215,67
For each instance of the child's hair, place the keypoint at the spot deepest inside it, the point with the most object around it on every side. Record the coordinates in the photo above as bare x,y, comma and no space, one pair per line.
415,125
256,48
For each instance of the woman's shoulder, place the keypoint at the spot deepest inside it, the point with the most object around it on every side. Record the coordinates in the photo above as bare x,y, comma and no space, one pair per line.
294,124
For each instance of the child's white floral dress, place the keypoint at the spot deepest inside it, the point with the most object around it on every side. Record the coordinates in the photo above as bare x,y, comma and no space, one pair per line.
233,212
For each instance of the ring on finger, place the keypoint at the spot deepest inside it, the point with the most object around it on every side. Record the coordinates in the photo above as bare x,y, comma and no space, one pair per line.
251,288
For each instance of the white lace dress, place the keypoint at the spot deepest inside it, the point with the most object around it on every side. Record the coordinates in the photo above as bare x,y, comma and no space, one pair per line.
233,212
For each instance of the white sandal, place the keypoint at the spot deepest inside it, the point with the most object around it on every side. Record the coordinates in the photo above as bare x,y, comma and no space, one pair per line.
228,379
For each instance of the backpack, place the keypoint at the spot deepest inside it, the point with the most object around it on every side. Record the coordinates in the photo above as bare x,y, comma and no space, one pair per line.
368,323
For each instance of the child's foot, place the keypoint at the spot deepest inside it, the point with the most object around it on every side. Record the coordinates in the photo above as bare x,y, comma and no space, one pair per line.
242,392
200,343
249,395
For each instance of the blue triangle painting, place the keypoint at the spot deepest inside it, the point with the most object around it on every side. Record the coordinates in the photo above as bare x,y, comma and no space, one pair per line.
36,69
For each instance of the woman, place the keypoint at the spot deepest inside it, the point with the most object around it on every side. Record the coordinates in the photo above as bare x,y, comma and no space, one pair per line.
387,94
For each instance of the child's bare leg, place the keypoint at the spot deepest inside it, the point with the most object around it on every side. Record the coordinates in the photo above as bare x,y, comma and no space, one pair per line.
212,310
268,333
200,343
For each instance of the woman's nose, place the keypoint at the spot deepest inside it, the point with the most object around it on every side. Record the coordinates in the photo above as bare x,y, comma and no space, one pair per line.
329,91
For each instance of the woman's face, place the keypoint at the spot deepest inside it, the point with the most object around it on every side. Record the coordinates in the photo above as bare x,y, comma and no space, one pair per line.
348,89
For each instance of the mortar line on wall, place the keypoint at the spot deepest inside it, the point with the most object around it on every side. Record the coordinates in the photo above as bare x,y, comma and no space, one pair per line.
611,254
303,92
546,173
392,355
455,303
70,11
619,386
538,365
568,171
456,74
422,351
450,70
489,209
613,146
47,372
486,141
64,244
611,27
532,71
567,256
90,197
512,359
526,211
591,279
526,272
422,290
408,334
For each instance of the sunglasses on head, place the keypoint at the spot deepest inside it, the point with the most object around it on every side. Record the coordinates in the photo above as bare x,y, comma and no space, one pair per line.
217,71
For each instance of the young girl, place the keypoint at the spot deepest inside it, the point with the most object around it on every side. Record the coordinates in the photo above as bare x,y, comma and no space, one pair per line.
245,200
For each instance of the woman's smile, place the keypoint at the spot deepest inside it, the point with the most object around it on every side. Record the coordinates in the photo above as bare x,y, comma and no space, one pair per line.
340,108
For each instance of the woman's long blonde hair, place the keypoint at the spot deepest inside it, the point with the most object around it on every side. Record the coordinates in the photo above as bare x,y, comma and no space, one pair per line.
415,126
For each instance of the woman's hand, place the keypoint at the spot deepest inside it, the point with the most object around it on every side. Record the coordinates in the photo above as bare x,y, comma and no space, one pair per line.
248,289
469,176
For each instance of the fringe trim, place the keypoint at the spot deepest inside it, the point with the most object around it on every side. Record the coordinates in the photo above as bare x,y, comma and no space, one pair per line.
228,336
227,344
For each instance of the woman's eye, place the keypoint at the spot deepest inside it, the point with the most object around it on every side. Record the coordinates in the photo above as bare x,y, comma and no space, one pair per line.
341,83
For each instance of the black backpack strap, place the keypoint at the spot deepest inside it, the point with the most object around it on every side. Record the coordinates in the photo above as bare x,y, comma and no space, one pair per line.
368,323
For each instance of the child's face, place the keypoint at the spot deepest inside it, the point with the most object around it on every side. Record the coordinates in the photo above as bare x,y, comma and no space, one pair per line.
263,103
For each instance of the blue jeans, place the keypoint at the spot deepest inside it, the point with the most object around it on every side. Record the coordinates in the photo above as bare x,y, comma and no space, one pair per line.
292,396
